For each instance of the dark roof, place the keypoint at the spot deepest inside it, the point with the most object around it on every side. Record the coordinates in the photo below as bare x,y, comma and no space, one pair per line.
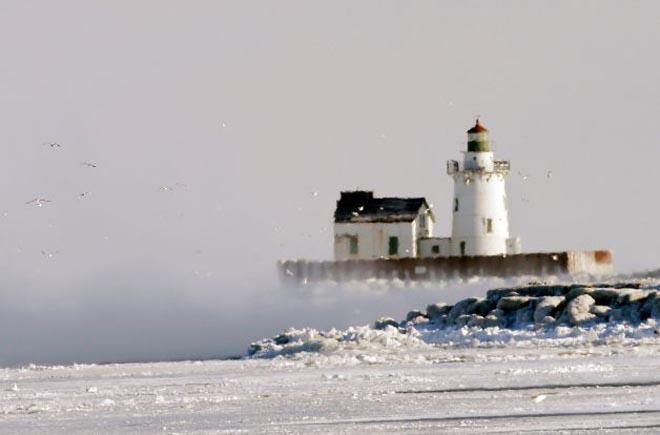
361,206
478,128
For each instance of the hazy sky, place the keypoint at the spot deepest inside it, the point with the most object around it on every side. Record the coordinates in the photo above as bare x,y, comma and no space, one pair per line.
244,108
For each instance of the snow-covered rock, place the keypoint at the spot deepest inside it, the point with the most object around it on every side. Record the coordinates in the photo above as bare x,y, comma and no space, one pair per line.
460,309
577,310
436,311
414,314
513,303
534,314
384,322
600,310
481,307
546,306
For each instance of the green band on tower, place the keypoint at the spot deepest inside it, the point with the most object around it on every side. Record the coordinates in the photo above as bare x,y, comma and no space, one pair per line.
478,140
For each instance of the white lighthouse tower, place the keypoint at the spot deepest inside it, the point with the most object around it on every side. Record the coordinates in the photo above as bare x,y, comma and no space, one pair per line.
480,224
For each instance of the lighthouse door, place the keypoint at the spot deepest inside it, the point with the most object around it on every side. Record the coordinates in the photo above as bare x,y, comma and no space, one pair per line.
462,248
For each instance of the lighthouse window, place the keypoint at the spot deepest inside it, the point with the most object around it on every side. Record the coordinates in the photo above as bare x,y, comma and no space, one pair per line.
353,245
455,204
435,249
489,225
394,246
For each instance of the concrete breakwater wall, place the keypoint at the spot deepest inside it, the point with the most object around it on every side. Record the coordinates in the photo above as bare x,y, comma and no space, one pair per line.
576,263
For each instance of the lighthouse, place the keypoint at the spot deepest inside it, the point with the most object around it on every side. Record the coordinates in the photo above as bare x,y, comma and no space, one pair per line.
480,223
392,237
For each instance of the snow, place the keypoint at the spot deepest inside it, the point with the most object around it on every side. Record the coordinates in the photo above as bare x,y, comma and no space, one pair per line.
611,387
422,375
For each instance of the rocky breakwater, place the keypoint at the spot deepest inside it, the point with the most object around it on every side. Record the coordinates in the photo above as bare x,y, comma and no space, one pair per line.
542,306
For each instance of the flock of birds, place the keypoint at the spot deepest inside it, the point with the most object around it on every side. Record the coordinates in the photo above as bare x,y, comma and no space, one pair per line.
42,202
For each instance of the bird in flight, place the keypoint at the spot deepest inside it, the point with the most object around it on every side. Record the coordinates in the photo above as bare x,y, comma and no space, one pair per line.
53,144
39,202
49,254
172,188
89,164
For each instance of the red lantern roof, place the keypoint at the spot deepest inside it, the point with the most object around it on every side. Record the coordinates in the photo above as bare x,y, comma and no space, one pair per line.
478,128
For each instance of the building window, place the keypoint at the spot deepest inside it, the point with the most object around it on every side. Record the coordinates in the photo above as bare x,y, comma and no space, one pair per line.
435,249
462,248
455,204
353,245
394,246
489,225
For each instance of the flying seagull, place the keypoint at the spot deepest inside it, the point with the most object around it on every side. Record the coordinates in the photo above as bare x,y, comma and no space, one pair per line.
172,188
53,144
89,164
49,254
39,202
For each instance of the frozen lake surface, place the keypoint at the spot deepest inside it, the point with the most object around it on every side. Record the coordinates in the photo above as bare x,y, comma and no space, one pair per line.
613,388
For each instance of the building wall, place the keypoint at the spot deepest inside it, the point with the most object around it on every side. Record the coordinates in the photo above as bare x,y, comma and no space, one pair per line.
583,264
481,196
426,245
373,238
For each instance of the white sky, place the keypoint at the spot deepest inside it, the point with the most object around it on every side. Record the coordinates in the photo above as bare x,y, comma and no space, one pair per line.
314,96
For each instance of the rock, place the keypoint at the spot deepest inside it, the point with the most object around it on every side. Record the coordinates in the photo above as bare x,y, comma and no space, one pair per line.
651,307
627,313
419,319
546,306
459,309
616,315
496,294
547,290
600,310
539,291
492,321
536,290
384,322
414,314
525,315
476,321
621,285
481,307
629,296
548,321
463,320
577,291
495,318
513,303
579,319
281,339
605,296
254,348
577,310
435,311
